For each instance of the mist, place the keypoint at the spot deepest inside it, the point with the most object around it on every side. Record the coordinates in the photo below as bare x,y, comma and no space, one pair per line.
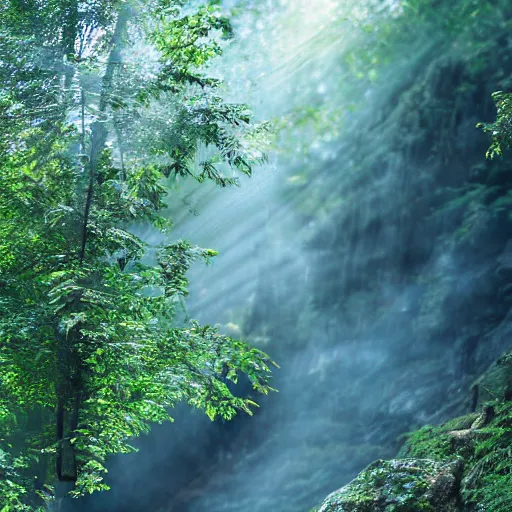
357,258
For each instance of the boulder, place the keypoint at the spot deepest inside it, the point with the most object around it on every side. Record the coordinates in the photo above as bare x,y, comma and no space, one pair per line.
401,485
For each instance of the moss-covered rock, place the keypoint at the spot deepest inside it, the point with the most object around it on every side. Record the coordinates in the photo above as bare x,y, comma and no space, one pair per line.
408,485
485,447
443,442
464,465
496,382
487,480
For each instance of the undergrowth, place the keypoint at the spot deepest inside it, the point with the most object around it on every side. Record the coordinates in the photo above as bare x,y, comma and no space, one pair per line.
486,451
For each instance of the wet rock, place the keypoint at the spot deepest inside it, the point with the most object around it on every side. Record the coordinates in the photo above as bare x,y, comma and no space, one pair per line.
463,441
495,383
408,485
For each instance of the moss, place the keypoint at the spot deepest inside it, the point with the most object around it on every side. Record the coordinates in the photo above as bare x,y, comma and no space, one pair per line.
395,486
460,423
496,382
427,475
487,483
428,442
437,443
485,446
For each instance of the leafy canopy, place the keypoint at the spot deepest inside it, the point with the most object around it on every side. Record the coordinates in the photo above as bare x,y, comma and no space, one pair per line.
102,106
501,129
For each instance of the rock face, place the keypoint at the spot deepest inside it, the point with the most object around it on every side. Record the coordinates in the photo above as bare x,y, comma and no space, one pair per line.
496,382
407,485
464,465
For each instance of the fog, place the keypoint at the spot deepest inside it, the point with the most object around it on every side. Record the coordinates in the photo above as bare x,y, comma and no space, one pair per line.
336,259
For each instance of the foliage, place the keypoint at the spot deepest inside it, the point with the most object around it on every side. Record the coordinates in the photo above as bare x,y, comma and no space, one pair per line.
501,129
427,441
489,476
13,486
485,449
90,349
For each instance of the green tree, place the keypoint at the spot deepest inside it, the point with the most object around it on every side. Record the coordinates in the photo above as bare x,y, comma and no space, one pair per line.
501,129
91,137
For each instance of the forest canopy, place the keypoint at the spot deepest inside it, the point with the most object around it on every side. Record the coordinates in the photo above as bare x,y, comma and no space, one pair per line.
103,105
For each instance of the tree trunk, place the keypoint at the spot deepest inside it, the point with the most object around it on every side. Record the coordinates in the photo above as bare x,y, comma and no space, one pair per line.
70,392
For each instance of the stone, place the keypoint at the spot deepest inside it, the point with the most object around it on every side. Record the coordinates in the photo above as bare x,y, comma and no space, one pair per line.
400,485
495,383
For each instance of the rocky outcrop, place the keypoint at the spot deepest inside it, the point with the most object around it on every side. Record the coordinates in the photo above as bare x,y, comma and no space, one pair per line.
495,383
464,465
407,485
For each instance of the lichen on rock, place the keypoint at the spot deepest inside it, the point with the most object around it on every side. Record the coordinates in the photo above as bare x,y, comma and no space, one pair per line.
400,485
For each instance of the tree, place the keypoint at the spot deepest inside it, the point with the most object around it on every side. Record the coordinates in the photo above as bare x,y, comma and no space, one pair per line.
91,352
501,129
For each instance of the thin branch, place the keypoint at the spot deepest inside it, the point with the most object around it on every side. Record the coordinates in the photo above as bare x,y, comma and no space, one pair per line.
99,130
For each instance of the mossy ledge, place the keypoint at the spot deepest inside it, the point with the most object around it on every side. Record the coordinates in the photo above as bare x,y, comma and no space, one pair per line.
464,465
